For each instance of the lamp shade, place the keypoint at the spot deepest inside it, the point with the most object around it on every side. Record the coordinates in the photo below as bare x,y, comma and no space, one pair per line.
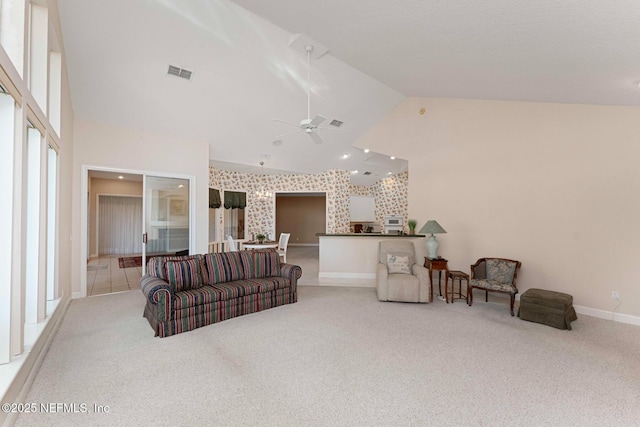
432,227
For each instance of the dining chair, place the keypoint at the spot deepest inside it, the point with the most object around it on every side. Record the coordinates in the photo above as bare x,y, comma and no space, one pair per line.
283,242
232,244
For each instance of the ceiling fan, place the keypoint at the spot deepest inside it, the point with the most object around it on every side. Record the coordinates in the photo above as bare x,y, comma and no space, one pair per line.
308,125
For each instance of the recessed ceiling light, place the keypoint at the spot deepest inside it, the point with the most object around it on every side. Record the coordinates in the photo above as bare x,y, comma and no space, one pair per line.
389,173
354,171
121,177
277,142
392,157
366,150
180,186
345,156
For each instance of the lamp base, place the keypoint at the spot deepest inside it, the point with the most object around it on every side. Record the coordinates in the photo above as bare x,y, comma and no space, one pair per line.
432,247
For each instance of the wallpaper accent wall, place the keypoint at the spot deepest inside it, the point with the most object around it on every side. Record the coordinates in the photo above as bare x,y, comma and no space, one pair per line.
260,213
391,196
359,190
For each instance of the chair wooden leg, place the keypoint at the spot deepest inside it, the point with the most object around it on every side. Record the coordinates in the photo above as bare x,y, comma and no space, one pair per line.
470,297
513,298
486,296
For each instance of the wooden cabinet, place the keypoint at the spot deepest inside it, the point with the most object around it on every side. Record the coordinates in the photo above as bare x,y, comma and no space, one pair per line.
362,209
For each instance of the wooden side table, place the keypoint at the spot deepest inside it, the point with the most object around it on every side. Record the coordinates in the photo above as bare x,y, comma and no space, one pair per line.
460,276
439,265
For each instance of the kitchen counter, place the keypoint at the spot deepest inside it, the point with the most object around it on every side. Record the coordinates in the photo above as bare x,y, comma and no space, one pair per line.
368,235
355,256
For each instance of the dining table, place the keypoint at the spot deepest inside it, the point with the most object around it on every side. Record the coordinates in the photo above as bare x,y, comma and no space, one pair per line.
257,245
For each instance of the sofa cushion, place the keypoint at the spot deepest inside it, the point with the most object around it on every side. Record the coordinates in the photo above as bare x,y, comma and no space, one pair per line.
238,288
398,264
227,266
195,297
183,275
493,285
266,263
268,284
227,291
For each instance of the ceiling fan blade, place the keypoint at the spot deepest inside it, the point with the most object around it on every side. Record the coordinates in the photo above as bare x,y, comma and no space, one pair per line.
316,138
317,120
332,128
288,133
286,123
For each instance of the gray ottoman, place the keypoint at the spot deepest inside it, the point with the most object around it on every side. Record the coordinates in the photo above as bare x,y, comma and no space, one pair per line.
547,307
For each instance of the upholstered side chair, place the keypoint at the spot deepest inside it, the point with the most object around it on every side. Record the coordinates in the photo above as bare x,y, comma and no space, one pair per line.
398,276
494,275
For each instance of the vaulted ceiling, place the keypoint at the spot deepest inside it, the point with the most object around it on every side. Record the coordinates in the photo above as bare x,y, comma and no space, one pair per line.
245,74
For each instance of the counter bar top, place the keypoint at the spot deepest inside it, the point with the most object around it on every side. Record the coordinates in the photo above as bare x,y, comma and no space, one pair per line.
368,235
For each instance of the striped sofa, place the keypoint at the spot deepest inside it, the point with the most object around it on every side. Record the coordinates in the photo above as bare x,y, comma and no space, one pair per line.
187,292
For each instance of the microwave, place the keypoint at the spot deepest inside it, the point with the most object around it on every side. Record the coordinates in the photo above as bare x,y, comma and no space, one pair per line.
393,221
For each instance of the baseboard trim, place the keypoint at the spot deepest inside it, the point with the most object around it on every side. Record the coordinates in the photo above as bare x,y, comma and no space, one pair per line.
608,315
304,244
39,351
329,275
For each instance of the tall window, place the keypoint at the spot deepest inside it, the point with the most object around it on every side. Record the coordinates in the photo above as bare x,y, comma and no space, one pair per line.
39,55
34,304
12,31
52,220
7,138
235,203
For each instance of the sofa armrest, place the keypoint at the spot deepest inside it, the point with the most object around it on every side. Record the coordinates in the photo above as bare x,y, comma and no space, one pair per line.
382,286
291,272
422,273
158,292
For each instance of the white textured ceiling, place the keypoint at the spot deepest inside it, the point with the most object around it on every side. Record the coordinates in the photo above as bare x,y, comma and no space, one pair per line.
244,73
569,51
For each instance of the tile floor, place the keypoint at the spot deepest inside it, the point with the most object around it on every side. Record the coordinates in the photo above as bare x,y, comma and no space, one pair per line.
104,276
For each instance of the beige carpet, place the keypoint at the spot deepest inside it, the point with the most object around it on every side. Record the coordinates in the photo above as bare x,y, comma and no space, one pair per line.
340,357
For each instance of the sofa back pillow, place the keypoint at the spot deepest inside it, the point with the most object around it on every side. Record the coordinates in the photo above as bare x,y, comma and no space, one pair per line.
156,266
266,263
183,275
227,266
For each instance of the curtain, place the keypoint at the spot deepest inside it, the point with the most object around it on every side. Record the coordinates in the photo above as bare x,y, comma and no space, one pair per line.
235,199
214,198
119,225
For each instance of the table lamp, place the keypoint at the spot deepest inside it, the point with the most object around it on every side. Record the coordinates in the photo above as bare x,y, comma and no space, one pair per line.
432,227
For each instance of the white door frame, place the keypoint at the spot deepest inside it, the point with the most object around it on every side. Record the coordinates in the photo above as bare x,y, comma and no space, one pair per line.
84,200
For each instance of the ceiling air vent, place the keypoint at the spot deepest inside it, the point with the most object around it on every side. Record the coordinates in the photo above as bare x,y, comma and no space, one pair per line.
367,173
179,72
336,123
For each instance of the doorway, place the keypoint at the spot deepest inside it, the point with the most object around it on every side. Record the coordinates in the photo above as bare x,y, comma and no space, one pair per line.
304,215
114,220
158,222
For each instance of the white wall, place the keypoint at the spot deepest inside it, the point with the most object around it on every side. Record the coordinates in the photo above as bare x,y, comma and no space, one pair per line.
108,146
552,185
